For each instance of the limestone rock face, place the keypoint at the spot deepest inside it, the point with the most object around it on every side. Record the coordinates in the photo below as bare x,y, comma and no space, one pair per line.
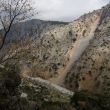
92,70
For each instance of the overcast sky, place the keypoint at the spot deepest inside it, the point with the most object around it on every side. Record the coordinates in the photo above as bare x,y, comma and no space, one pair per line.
66,10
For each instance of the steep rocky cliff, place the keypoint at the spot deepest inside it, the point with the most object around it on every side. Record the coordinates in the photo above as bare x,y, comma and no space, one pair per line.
92,70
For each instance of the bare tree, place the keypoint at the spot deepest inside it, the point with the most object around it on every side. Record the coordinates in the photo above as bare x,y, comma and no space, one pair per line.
12,12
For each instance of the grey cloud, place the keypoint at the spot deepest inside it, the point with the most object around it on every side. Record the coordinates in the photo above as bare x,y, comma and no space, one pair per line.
66,10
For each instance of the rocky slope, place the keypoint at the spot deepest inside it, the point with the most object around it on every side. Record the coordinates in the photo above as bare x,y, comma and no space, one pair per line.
62,50
49,55
75,56
92,70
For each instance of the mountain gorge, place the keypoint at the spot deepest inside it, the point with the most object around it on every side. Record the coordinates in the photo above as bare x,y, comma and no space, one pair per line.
59,59
92,69
49,54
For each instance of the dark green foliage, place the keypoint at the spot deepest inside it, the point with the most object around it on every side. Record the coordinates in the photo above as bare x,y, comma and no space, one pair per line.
54,66
9,78
56,106
9,82
74,39
91,101
70,33
9,90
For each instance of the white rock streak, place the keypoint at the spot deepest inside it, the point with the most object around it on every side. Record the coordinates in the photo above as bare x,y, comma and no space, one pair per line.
49,85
